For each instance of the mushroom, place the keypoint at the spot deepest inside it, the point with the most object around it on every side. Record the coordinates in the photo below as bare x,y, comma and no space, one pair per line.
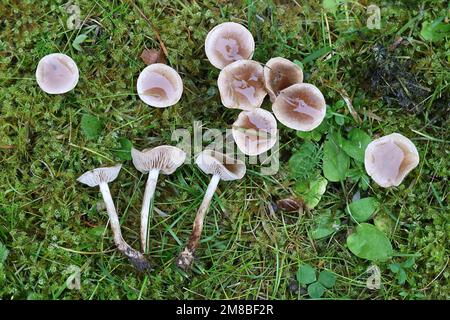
389,159
57,73
301,107
101,177
241,85
280,73
165,159
159,85
228,42
255,131
222,167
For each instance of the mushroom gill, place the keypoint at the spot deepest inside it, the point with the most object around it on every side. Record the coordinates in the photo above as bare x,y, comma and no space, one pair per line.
241,85
301,107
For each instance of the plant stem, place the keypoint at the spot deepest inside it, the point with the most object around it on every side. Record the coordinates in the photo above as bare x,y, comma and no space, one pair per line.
186,257
148,196
135,257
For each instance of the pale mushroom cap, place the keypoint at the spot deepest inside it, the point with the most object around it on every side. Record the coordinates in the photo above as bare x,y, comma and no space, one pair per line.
301,107
279,74
255,131
216,163
228,42
159,85
241,85
100,175
164,158
389,159
57,73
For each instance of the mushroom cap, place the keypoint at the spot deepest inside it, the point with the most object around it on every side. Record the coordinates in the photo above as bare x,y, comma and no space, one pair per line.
279,74
228,42
216,163
57,73
100,175
164,158
159,85
301,107
255,131
241,85
389,159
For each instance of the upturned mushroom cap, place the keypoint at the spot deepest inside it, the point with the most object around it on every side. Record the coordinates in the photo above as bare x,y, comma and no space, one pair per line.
100,175
301,107
389,159
279,74
255,131
164,158
228,42
241,85
159,85
216,163
57,73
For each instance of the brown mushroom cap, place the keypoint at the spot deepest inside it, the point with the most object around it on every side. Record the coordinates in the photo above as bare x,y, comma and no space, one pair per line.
280,73
389,159
228,42
159,85
301,107
255,131
241,85
163,158
216,163
57,73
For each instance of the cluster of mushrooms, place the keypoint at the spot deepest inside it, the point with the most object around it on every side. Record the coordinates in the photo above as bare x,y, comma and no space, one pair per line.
243,84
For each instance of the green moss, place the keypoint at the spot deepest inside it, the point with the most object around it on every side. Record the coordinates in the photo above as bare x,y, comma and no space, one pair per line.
48,221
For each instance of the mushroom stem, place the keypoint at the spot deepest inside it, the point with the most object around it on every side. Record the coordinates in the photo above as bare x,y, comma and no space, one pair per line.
135,257
146,203
186,257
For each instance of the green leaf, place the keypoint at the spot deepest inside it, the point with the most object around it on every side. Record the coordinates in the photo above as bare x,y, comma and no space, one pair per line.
395,267
92,127
311,191
330,5
304,162
436,30
361,210
339,119
316,290
306,274
335,160
358,175
408,263
384,223
401,277
124,152
3,253
356,144
369,243
326,225
327,278
79,40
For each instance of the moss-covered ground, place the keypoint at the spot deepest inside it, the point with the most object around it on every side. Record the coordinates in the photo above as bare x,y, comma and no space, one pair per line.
397,80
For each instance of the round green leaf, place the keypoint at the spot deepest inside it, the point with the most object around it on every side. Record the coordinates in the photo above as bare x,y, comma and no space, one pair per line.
335,160
316,290
306,274
369,243
356,144
361,210
327,278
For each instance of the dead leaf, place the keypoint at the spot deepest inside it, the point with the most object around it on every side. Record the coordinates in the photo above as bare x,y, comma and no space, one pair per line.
290,205
151,56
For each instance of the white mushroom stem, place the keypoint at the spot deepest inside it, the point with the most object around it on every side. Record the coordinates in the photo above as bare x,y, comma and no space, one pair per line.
186,257
136,258
146,203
